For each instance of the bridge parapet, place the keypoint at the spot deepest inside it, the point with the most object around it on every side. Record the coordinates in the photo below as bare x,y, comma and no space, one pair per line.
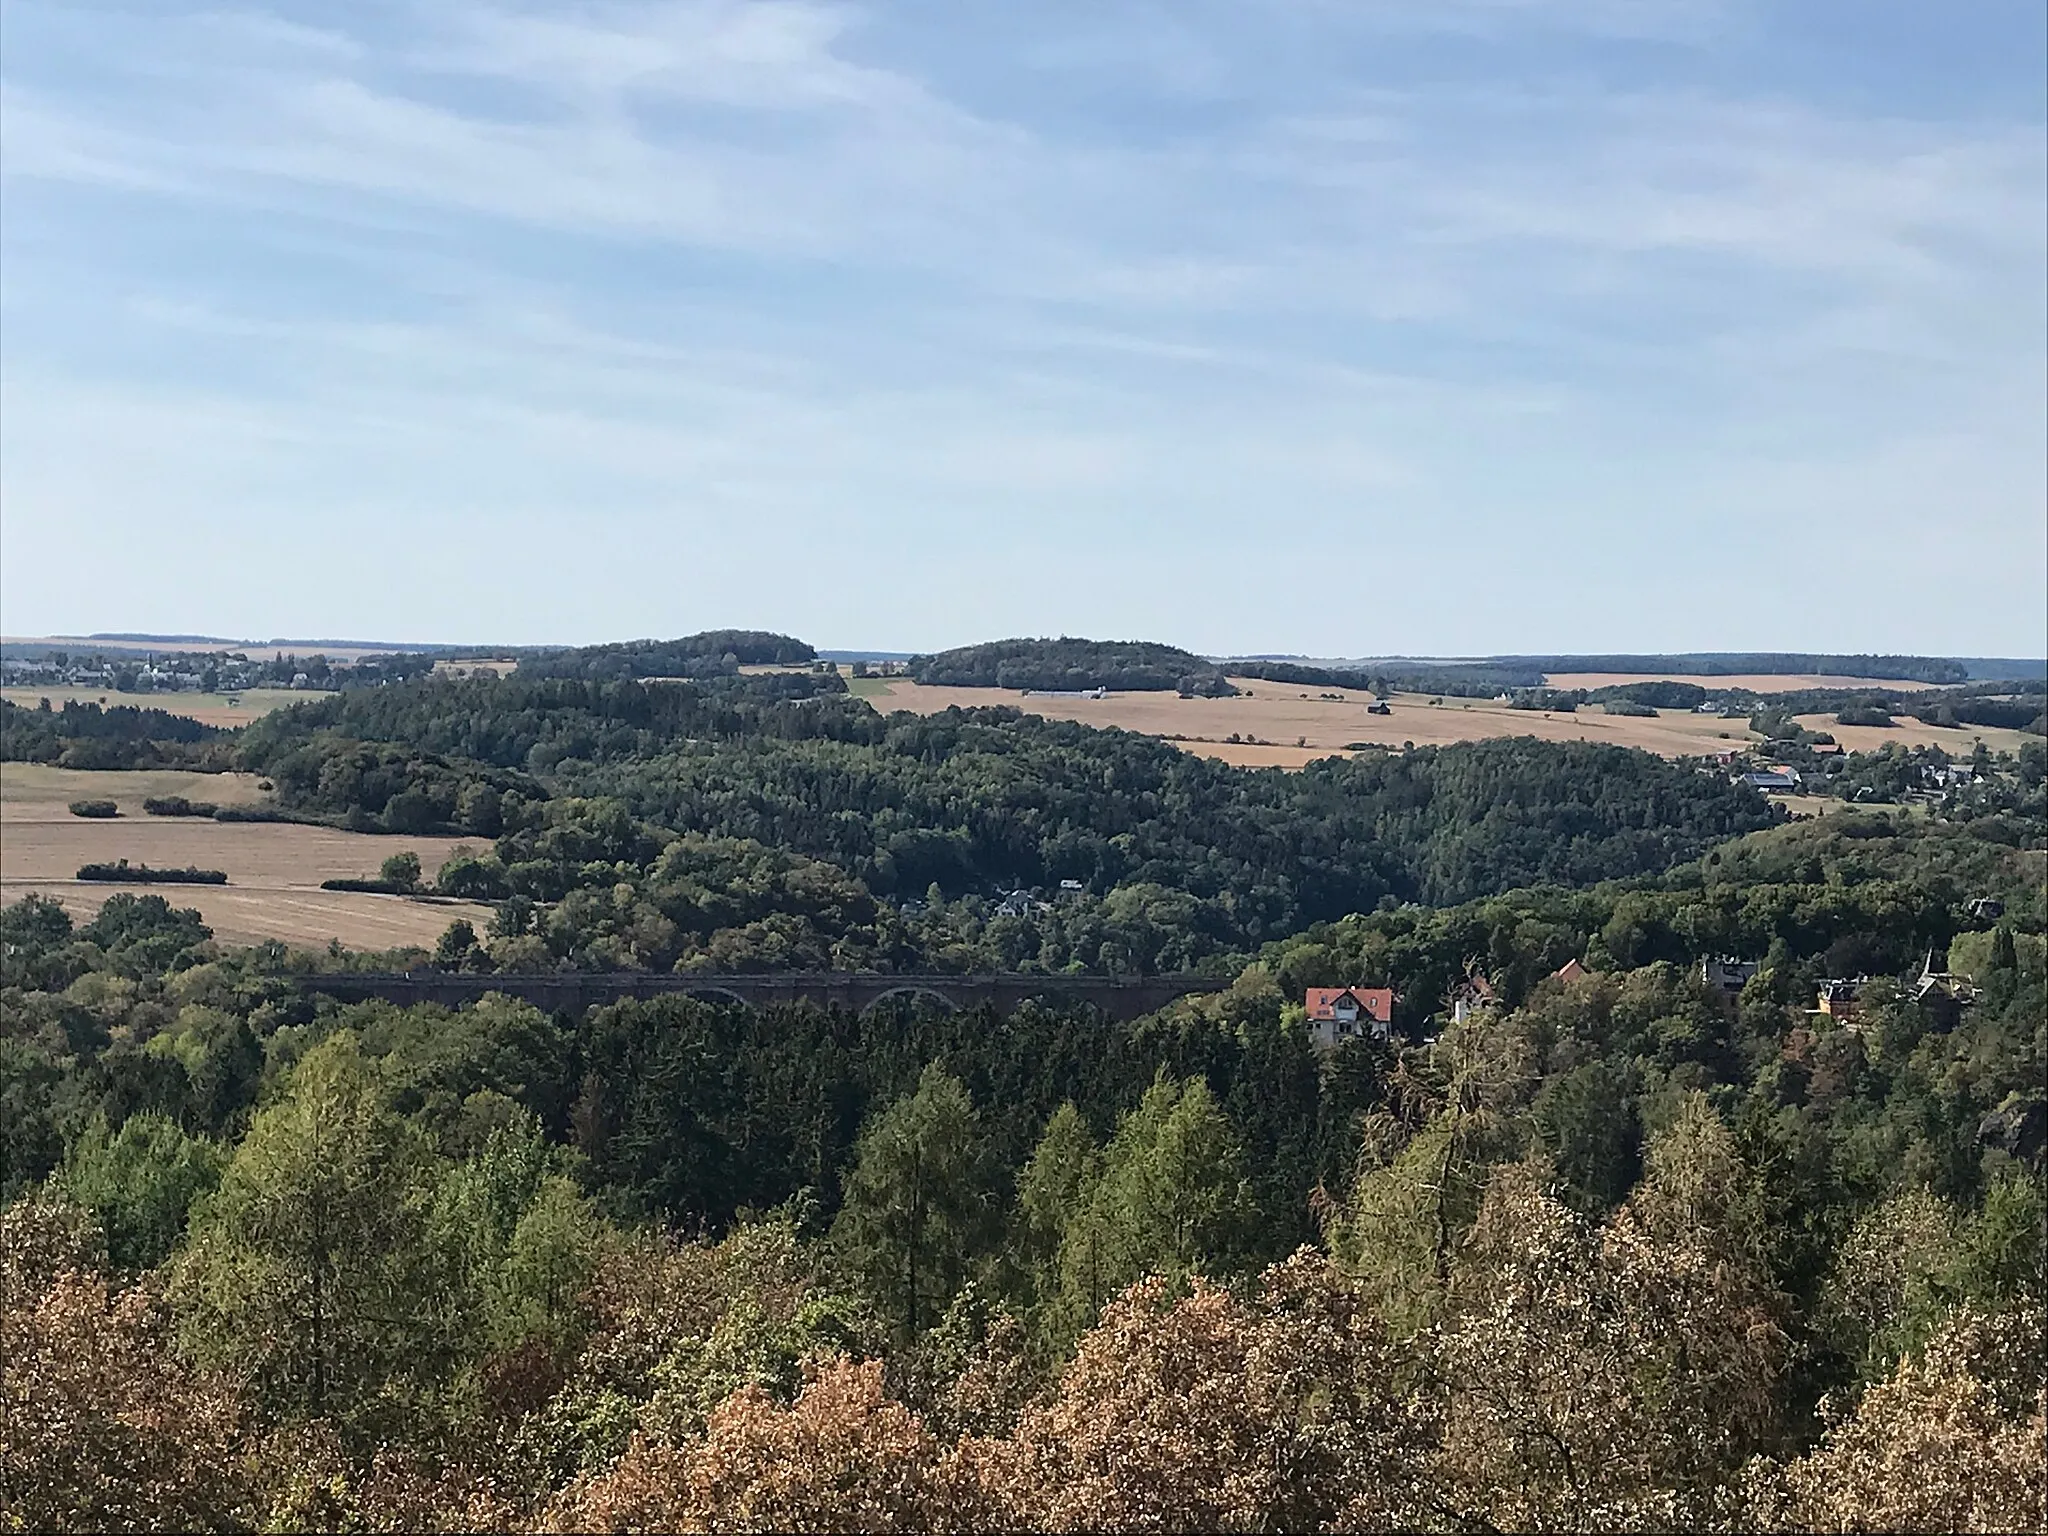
1123,998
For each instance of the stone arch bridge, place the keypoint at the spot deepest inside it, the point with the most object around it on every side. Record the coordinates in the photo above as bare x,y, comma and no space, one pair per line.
1120,997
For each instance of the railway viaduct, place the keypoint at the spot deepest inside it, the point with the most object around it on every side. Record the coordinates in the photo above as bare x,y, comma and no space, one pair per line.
1123,998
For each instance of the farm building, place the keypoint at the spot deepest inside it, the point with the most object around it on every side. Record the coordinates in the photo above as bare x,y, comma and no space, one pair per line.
1347,1013
1778,780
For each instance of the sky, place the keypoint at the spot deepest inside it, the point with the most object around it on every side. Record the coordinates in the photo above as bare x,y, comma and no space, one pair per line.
1331,327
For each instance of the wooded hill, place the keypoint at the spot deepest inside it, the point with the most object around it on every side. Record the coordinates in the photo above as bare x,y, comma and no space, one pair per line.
1137,666
1592,1260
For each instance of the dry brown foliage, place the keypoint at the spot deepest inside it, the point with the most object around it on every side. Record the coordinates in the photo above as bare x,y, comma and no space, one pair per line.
1597,1379
102,1428
842,1457
1205,1412
1949,1442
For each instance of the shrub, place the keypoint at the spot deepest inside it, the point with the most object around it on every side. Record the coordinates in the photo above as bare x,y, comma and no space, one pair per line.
141,874
178,805
98,810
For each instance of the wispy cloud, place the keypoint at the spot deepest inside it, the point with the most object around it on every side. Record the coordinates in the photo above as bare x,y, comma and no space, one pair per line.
1153,276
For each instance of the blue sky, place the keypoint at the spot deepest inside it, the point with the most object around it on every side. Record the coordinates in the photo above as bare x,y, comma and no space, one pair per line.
1417,326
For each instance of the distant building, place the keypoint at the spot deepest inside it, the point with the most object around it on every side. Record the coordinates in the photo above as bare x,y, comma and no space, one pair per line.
1943,993
1726,976
1839,998
1469,996
1571,970
1379,707
1348,1013
1772,781
1986,909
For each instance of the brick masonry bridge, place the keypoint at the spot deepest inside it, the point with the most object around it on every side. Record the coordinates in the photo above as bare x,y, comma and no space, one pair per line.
1124,998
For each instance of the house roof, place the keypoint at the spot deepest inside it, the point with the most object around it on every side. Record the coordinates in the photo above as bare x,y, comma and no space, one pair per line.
1571,970
1378,1002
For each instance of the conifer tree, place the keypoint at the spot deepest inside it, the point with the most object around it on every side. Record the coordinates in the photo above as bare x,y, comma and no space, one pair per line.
916,1205
309,1267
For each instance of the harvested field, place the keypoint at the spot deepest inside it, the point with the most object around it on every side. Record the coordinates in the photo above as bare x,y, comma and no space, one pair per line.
1958,741
1287,725
38,792
274,869
1755,682
211,708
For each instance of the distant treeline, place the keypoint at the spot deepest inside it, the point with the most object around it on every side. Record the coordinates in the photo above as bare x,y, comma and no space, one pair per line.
714,653
1489,675
90,736
1462,682
1917,669
1133,666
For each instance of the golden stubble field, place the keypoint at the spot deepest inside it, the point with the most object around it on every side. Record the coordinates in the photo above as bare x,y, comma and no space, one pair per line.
229,709
1915,733
1286,725
274,869
1294,725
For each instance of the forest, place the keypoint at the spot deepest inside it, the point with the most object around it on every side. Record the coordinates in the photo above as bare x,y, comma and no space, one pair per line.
1612,1252
1612,1246
766,821
713,653
1068,663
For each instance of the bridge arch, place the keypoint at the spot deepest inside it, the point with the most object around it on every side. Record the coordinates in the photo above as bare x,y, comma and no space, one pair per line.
912,989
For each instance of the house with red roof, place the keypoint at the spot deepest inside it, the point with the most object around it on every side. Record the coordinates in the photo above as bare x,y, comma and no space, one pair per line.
1348,1013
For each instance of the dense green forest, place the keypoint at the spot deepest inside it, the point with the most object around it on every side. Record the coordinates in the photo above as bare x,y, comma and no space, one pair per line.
1613,1252
119,736
764,821
713,653
1137,666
